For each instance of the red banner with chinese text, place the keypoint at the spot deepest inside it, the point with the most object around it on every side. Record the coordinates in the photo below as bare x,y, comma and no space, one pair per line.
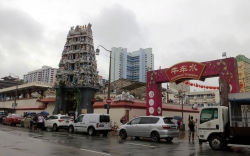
185,71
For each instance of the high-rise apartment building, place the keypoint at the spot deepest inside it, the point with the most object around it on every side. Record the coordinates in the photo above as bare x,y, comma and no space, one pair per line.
243,73
131,65
47,74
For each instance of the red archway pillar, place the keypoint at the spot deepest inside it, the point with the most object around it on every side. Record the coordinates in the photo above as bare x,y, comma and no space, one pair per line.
154,100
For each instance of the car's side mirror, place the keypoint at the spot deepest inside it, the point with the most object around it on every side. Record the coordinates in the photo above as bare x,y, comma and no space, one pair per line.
75,121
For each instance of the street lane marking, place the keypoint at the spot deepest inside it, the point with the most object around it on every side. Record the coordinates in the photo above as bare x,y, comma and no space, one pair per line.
34,139
94,151
139,144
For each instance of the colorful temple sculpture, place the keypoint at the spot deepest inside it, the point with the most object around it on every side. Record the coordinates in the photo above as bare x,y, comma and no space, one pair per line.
77,79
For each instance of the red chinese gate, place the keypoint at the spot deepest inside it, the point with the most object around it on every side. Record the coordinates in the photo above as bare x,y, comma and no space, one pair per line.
225,69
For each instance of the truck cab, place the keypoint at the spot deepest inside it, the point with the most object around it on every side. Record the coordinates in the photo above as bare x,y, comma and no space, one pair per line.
225,126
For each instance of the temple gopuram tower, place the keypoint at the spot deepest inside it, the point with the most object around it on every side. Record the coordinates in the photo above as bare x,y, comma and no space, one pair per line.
77,79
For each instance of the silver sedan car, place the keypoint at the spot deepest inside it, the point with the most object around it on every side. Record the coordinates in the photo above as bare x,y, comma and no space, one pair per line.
154,127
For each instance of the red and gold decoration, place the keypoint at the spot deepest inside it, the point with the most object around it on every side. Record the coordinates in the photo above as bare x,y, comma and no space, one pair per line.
225,69
185,71
201,86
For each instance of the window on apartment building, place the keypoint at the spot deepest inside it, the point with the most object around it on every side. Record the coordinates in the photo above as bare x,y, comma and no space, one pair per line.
201,105
210,96
199,96
209,104
190,96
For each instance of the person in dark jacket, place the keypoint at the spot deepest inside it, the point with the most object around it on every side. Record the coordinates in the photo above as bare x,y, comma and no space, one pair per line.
35,119
31,122
191,126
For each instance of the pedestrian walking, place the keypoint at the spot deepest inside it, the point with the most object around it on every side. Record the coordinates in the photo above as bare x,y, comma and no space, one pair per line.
31,122
179,125
40,122
191,125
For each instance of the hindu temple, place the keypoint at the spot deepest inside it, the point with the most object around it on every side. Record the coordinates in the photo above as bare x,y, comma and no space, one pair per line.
77,79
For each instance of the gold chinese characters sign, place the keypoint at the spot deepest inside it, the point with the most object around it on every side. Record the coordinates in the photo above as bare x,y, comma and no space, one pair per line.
185,71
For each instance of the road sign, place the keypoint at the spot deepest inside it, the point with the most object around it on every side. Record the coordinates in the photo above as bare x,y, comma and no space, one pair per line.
108,100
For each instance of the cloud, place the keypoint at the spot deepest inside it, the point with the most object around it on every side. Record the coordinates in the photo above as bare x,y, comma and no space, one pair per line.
19,40
116,26
25,44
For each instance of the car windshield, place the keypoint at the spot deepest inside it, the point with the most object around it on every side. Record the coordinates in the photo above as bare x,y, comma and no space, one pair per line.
168,121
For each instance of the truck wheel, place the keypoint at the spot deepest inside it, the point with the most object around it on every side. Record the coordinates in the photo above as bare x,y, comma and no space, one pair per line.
91,131
216,143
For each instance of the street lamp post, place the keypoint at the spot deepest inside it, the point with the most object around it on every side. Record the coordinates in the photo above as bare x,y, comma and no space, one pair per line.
16,87
182,96
97,53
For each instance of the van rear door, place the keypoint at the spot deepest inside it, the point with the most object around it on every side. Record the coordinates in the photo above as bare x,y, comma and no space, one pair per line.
104,122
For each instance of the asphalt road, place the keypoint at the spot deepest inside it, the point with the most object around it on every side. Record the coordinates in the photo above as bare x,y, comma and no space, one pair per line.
18,141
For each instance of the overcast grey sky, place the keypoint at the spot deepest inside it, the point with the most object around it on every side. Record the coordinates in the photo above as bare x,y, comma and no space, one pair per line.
33,33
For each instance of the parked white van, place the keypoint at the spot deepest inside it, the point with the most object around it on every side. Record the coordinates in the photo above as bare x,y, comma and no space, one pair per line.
91,123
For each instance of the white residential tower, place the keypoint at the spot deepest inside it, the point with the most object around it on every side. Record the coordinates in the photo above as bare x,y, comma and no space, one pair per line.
47,74
131,65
